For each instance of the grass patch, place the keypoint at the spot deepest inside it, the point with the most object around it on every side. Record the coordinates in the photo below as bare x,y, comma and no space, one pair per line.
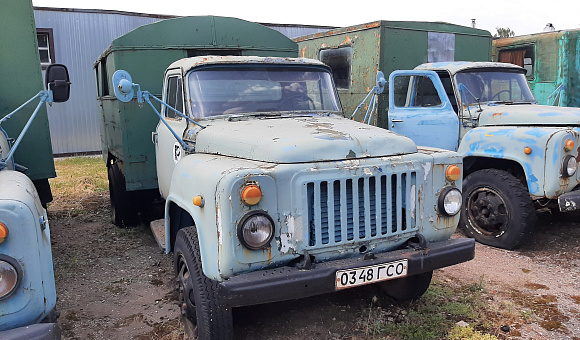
81,185
434,316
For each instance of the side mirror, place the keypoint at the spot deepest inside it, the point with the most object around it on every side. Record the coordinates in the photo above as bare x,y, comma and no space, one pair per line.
57,81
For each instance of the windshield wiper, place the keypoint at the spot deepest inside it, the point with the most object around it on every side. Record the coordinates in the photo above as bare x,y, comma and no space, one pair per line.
508,102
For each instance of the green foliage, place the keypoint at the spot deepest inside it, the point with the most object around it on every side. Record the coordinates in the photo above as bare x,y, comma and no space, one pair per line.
504,32
433,316
468,333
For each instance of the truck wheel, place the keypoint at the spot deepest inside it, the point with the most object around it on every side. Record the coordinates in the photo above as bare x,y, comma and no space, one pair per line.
122,209
407,288
497,209
201,312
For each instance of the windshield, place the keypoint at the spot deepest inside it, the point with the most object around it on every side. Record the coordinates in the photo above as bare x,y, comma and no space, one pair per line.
493,86
260,88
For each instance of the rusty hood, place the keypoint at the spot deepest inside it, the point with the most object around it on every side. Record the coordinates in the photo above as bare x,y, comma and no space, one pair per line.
527,114
292,139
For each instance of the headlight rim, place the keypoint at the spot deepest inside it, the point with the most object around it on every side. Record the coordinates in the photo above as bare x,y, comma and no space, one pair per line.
16,265
242,222
565,164
441,200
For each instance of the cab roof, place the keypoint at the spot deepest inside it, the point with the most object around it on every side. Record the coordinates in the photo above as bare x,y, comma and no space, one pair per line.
189,63
458,66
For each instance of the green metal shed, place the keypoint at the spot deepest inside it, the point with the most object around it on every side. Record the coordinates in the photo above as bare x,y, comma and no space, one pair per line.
21,79
552,60
145,53
356,53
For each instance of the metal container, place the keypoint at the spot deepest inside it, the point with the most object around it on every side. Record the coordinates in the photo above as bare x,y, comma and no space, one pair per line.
146,52
356,53
552,63
21,79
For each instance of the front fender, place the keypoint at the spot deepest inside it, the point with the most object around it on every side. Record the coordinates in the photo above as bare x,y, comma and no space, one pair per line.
28,247
542,166
209,176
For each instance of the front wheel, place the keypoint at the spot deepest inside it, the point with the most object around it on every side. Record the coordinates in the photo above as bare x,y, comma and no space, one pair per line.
497,209
201,311
408,288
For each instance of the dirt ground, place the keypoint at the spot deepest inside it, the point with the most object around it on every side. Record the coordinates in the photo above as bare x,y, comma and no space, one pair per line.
115,283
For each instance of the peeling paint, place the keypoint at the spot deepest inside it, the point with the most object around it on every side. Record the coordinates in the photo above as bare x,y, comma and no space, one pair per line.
426,170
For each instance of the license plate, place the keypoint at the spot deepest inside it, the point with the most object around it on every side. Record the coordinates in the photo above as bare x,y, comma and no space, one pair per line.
365,275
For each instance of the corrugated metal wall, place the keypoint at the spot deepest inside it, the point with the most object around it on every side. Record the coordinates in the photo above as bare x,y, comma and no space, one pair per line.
80,36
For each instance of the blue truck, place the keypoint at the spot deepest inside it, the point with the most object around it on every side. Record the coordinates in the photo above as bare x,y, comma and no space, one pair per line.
519,156
27,285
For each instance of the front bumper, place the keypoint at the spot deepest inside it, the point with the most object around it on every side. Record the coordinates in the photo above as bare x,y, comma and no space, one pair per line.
569,201
39,331
286,283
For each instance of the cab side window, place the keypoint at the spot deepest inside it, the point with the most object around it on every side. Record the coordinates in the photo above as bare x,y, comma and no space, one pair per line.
174,97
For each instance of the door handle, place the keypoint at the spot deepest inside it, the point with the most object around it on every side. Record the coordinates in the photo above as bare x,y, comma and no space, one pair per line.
395,121
154,137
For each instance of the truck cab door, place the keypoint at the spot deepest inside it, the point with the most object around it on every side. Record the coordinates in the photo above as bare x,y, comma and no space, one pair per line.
168,150
419,109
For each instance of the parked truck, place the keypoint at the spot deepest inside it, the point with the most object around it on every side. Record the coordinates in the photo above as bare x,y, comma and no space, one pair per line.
27,286
271,194
519,156
552,63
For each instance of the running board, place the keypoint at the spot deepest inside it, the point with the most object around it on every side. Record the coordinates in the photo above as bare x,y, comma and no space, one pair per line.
158,229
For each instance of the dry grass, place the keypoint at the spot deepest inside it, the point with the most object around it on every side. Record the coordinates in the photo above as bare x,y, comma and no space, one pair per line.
81,185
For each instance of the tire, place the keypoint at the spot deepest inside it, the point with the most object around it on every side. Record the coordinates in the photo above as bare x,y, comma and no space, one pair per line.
497,209
123,212
201,311
407,288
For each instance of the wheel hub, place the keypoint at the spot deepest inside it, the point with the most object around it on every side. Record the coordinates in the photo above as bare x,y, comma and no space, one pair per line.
487,212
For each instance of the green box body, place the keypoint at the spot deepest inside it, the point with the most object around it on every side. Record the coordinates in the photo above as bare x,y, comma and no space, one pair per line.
394,45
21,79
555,61
126,130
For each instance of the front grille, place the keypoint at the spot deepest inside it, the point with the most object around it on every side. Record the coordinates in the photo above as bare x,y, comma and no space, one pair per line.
354,209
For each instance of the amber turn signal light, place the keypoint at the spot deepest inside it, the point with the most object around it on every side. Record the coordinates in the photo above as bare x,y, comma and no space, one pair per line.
569,146
198,201
3,232
453,173
527,150
251,194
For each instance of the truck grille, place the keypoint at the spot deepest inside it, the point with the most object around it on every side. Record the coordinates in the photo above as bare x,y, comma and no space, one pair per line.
354,209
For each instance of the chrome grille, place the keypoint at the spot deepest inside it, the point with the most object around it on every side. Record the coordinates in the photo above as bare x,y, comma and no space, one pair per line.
354,209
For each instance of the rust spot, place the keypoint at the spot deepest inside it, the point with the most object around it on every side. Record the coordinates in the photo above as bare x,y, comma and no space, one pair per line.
303,52
497,114
576,298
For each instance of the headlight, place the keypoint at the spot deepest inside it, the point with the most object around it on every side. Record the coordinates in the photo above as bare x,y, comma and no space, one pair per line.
449,201
255,230
569,166
9,276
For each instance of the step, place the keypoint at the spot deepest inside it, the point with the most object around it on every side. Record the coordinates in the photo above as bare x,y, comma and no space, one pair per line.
158,229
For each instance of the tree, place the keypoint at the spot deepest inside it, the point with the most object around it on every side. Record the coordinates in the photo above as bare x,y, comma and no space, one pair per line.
504,32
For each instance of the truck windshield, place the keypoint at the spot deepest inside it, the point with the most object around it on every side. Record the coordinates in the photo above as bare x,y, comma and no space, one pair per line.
260,88
493,86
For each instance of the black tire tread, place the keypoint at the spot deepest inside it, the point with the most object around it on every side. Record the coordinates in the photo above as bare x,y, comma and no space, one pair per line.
213,321
515,193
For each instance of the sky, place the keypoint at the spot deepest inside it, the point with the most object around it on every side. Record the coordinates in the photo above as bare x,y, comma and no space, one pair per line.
522,17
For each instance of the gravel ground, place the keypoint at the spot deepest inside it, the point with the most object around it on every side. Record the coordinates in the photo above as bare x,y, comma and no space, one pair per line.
115,283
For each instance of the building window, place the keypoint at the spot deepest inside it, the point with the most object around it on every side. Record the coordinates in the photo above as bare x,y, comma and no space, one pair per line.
521,56
45,46
339,60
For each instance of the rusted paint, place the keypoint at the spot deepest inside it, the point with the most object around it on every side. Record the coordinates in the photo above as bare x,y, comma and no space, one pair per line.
497,115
